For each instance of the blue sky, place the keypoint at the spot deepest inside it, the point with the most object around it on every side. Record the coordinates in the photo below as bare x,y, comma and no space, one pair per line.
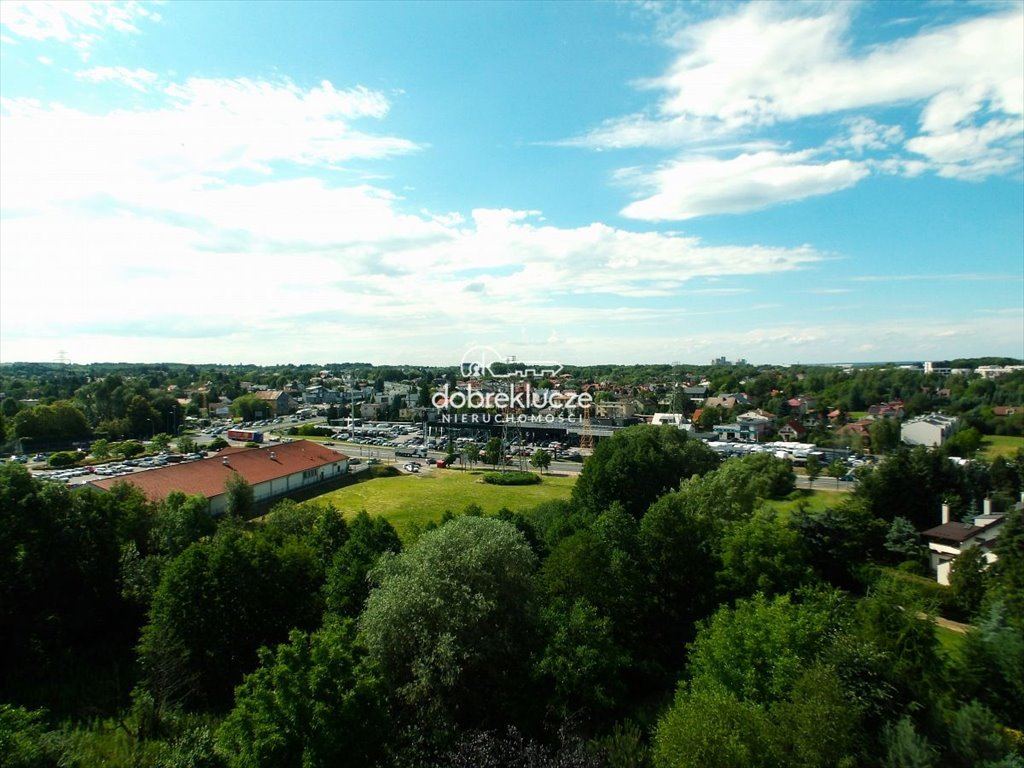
582,182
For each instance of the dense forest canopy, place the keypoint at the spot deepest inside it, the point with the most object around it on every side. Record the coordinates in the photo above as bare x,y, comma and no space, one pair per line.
677,611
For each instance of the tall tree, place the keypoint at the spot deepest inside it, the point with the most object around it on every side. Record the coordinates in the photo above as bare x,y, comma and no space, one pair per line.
637,465
450,625
314,702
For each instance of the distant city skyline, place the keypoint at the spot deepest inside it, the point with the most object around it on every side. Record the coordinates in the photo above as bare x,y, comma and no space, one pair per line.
592,183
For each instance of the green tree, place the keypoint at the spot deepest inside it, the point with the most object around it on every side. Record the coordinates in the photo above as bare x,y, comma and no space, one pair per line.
988,668
23,739
187,445
813,469
638,464
128,448
758,649
100,449
250,408
160,442
59,422
450,622
885,435
493,452
836,469
62,459
314,702
142,417
1008,570
679,547
964,443
818,725
906,748
240,496
712,728
220,600
977,738
763,554
540,459
347,584
581,662
180,520
903,540
967,580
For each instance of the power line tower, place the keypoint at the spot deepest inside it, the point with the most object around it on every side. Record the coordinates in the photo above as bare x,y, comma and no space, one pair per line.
586,431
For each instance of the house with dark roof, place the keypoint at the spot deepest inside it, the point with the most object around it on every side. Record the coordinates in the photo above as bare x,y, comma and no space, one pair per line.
792,431
950,539
273,472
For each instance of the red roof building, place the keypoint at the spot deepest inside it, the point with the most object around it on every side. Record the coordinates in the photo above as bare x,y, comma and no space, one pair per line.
273,471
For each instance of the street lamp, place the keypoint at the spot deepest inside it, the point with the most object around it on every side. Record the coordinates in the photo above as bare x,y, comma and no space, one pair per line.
152,429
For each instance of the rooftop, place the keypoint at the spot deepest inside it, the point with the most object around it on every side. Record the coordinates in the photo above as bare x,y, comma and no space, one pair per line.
207,477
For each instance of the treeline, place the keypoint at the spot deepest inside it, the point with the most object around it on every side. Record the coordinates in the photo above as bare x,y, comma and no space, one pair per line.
668,615
115,401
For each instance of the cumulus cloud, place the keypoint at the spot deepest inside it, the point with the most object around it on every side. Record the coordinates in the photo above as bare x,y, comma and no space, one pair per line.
207,128
762,65
694,187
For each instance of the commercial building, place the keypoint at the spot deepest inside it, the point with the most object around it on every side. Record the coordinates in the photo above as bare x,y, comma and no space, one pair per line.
932,430
272,471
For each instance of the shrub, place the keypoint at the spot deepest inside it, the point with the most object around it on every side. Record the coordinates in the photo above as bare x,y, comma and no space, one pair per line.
63,459
511,478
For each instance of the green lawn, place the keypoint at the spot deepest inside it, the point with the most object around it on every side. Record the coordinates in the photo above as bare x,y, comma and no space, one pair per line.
420,498
814,501
1000,445
951,643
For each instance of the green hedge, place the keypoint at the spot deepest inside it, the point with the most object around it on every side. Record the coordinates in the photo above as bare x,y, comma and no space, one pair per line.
511,478
311,430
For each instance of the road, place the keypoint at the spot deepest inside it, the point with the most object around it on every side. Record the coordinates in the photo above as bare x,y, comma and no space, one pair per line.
824,484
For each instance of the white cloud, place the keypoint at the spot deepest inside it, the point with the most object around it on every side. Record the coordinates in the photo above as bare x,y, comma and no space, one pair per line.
693,187
79,23
760,65
207,130
139,79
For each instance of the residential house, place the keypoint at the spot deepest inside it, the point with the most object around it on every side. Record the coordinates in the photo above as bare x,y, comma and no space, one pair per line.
754,424
950,539
792,431
279,401
371,411
677,420
697,393
859,429
892,410
614,410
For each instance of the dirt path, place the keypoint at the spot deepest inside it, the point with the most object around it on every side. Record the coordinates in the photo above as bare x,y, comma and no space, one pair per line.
952,626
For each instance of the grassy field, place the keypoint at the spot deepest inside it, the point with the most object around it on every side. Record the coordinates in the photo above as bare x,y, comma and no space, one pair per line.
1000,445
420,498
951,643
815,501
